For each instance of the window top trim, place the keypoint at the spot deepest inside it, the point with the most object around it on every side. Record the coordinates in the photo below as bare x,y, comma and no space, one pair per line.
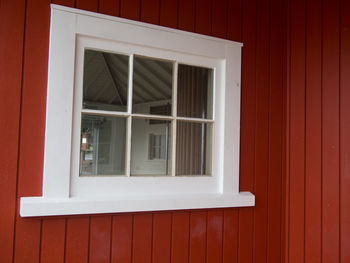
141,24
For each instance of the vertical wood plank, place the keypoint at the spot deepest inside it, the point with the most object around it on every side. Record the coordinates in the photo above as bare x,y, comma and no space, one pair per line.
203,17
89,5
100,234
214,236
234,20
286,132
109,7
27,237
198,236
330,132
53,241
219,18
262,131
142,238
344,133
12,19
122,239
130,9
275,133
248,126
168,13
180,237
150,11
313,135
230,236
186,15
77,240
297,132
161,237
69,3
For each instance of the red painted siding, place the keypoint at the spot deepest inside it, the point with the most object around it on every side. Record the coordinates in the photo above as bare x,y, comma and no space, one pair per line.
317,149
214,235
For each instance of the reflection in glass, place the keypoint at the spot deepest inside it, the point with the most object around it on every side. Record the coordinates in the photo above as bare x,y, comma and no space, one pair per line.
152,86
102,150
193,148
150,147
105,81
194,92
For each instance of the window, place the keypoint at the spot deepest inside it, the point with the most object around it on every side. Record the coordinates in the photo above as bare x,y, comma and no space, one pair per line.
139,117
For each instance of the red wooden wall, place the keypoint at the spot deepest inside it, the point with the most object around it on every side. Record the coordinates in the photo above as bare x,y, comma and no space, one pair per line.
318,131
215,235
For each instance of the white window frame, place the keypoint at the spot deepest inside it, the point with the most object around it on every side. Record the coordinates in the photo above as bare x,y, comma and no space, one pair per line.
67,193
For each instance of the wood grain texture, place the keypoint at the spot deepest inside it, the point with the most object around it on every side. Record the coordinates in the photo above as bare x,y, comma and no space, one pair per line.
122,226
198,236
330,132
297,132
248,126
53,240
168,13
12,22
161,242
28,232
69,3
77,240
130,9
180,237
100,239
203,17
316,224
344,132
109,7
219,18
274,191
262,132
230,236
150,11
186,13
313,115
214,235
142,238
89,5
234,20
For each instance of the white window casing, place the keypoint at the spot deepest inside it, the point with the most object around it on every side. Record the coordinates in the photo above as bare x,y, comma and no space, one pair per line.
64,191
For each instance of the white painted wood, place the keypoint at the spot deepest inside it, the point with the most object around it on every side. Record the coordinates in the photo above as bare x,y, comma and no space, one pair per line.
129,122
64,191
59,105
152,116
196,120
38,206
132,22
174,123
105,113
232,120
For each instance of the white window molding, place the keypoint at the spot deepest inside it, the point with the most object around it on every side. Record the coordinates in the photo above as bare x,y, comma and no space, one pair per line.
64,192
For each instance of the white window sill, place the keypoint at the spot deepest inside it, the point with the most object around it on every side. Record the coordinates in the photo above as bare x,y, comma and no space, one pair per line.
40,206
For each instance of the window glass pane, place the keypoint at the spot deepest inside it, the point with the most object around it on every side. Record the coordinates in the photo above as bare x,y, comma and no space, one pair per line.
105,81
102,150
152,86
150,147
193,148
194,92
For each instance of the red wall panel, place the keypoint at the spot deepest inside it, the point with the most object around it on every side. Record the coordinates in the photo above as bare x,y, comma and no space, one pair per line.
344,132
218,235
317,143
12,23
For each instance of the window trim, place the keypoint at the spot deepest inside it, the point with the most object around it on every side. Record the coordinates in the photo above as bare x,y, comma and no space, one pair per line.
67,24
